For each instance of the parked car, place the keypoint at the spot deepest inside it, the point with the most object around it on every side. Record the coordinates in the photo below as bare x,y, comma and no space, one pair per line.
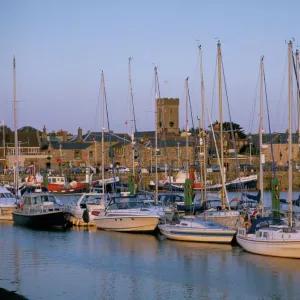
120,169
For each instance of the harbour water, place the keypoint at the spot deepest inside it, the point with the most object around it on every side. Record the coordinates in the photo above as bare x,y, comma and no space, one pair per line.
93,264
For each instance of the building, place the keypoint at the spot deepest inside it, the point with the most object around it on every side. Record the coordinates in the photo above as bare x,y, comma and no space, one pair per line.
168,116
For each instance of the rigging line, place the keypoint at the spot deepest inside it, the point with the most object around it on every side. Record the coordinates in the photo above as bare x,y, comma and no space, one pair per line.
194,130
269,123
280,97
251,120
97,107
214,87
110,143
164,136
297,81
231,126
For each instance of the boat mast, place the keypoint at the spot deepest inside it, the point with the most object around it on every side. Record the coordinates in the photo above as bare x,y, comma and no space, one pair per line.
202,139
16,130
156,125
290,106
261,117
102,137
187,125
298,97
221,120
131,115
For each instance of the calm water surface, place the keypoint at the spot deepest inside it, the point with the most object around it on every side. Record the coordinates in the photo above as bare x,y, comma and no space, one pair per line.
91,264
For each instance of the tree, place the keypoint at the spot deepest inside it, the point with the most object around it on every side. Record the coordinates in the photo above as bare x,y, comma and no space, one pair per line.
236,129
6,129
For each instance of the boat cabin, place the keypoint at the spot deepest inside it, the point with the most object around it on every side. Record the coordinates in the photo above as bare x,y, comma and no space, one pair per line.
39,199
126,202
265,222
61,180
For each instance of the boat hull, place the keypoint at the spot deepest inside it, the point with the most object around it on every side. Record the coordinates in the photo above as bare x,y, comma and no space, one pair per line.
127,223
288,249
6,213
43,220
197,235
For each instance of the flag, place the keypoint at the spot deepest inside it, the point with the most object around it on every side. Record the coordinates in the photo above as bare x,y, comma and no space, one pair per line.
2,122
126,123
234,199
255,213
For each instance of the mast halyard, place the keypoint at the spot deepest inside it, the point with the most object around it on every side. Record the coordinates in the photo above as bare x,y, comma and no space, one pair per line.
202,138
261,117
102,135
156,125
187,126
16,129
290,107
131,116
298,99
221,121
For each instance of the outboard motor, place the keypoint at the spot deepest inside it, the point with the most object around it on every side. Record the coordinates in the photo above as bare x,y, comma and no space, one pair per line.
86,216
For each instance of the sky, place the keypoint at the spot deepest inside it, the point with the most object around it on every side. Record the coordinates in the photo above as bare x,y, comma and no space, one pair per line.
62,46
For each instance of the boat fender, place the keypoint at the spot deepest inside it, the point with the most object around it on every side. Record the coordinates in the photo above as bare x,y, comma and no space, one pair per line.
86,216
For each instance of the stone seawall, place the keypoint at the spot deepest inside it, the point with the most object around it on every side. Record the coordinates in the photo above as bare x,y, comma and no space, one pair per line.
215,177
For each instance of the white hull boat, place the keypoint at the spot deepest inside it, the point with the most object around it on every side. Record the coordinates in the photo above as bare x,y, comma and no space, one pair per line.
126,213
141,223
87,201
8,204
197,230
276,241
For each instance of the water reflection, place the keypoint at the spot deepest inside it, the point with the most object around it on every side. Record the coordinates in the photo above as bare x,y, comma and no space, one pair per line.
91,264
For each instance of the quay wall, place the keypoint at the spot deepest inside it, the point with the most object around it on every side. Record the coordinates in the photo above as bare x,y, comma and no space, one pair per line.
214,177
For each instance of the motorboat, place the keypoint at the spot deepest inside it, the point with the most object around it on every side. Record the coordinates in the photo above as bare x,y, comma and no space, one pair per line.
87,201
8,204
41,210
126,213
197,230
270,236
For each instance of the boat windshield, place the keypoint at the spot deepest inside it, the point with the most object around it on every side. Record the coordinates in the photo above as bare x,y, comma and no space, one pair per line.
126,203
6,195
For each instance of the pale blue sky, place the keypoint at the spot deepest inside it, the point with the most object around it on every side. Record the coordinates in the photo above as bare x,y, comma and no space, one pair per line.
60,47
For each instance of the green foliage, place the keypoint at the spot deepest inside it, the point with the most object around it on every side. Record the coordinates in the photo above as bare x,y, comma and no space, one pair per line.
6,129
236,129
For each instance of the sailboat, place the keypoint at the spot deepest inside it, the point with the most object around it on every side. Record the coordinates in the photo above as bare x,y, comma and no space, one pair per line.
264,236
225,217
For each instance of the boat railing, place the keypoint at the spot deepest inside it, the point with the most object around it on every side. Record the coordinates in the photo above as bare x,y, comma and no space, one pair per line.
41,209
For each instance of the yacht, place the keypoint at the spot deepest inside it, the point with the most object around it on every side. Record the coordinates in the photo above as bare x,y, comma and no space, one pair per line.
87,201
41,210
126,213
8,204
197,230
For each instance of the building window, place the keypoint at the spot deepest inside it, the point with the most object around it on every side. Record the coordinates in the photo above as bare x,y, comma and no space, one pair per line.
32,150
77,155
91,154
158,152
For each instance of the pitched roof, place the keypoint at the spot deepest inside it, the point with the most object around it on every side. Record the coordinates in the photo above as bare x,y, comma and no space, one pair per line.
277,138
26,139
70,146
28,129
108,136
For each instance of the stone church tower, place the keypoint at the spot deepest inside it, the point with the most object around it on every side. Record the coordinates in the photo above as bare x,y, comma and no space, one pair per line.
168,116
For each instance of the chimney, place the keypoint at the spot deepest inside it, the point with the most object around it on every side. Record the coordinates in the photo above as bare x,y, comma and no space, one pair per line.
44,134
79,136
64,137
